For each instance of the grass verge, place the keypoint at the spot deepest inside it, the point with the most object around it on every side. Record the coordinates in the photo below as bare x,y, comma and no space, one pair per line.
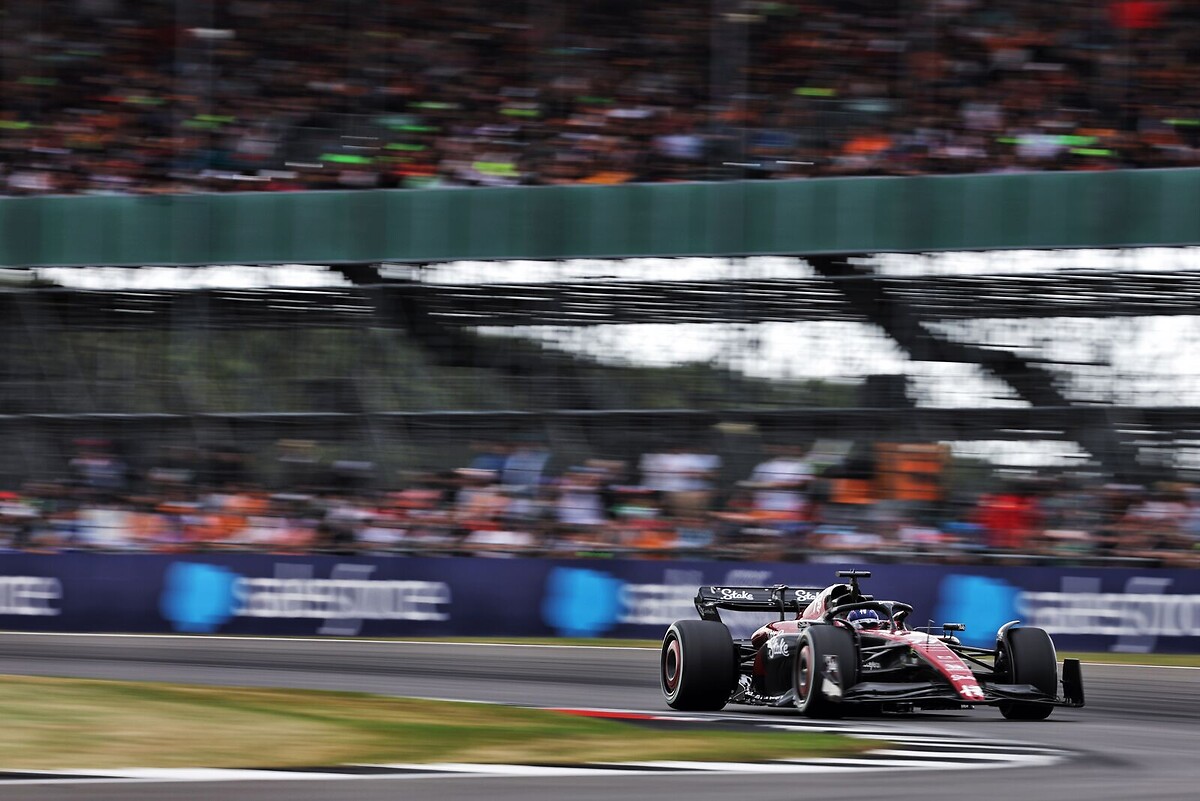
53,723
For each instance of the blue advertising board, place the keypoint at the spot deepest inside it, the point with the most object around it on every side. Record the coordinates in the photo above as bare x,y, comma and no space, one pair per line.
1091,609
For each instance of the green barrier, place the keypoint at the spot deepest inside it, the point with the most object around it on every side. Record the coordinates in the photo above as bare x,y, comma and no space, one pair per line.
827,215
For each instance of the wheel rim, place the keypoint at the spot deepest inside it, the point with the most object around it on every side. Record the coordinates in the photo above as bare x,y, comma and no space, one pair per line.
803,674
672,666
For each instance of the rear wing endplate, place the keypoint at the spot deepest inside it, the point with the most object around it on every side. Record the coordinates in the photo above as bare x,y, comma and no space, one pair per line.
780,598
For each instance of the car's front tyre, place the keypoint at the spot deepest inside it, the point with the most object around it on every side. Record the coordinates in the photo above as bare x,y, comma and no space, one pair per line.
697,666
1026,656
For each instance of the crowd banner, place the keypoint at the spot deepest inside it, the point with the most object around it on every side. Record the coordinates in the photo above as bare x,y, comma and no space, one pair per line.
1083,608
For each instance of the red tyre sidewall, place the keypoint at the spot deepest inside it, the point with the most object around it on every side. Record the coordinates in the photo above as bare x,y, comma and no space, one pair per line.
804,662
671,646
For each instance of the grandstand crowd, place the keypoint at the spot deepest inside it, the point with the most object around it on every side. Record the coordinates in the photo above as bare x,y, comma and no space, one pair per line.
794,505
124,97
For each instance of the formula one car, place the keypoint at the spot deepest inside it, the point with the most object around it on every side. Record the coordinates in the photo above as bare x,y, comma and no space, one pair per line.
844,652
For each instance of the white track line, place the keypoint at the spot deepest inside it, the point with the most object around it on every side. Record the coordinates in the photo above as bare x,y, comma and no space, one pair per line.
235,638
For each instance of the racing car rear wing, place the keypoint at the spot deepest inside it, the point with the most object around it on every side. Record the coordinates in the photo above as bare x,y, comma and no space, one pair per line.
780,598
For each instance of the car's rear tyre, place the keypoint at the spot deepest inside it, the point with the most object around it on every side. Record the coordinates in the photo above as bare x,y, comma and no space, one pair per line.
816,646
697,665
1027,656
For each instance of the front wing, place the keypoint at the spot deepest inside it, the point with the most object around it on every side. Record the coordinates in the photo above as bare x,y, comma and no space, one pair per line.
932,691
940,692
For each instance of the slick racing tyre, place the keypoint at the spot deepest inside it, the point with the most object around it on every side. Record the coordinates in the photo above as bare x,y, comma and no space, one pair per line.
698,665
818,644
1027,656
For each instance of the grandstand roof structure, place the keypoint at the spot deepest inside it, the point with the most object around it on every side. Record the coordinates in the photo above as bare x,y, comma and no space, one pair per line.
442,317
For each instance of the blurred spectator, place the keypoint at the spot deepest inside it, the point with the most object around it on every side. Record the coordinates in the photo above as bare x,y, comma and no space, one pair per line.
1009,519
489,456
580,503
498,543
97,468
110,97
18,521
683,477
523,467
780,485
592,509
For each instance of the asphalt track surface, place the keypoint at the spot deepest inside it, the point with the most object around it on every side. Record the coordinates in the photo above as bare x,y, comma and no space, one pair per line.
1138,737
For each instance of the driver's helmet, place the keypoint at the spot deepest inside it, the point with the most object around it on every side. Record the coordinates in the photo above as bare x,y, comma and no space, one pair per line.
864,619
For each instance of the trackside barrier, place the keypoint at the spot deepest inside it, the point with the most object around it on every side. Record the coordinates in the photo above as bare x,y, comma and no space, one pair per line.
1092,609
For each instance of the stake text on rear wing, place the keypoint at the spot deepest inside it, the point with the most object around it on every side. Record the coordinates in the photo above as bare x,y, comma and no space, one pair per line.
780,598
